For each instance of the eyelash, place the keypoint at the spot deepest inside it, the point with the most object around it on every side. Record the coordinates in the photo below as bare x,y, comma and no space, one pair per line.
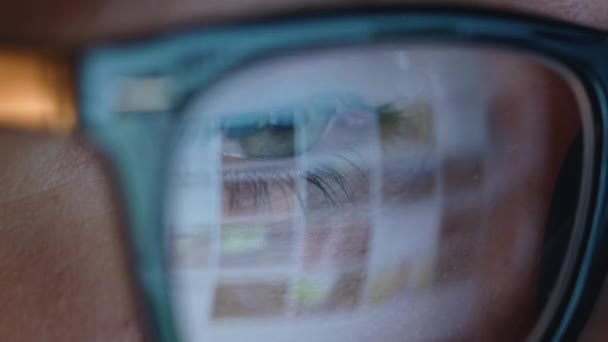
332,180
336,183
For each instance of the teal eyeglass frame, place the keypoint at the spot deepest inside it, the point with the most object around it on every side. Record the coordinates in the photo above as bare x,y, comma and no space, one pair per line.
140,144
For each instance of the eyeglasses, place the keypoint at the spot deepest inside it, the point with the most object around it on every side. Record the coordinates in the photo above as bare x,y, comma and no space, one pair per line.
386,175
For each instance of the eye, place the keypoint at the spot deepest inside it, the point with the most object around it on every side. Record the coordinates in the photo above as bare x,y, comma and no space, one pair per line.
284,132
270,136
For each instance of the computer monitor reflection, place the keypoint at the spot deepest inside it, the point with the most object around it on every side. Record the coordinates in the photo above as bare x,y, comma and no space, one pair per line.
355,194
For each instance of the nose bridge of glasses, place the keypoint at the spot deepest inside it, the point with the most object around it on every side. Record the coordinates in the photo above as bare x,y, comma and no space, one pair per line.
36,92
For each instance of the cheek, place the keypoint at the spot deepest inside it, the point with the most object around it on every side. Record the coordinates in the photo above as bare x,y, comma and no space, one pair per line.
62,270
534,123
596,329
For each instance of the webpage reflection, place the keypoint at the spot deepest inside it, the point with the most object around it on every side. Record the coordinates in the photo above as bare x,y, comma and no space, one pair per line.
379,265
390,243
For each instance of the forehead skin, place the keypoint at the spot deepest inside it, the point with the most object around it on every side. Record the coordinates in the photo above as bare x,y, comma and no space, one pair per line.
73,22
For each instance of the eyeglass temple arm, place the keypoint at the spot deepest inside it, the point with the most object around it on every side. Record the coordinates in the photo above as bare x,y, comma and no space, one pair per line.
36,92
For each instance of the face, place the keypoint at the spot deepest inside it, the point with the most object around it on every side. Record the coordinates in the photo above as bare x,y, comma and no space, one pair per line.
63,272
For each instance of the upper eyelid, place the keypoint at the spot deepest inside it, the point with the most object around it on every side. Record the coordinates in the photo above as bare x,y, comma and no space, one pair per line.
329,105
332,100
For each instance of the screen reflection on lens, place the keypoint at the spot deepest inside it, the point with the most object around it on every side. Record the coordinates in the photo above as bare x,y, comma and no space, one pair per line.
391,192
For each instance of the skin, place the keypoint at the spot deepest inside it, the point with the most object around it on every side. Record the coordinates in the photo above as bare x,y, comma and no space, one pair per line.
63,270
